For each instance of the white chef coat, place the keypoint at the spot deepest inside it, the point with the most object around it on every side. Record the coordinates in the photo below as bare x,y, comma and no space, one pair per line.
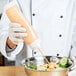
55,23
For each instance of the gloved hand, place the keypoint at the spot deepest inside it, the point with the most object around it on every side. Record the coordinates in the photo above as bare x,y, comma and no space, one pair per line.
73,69
16,33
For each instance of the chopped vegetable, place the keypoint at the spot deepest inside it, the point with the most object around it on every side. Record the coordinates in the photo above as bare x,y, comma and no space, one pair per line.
50,66
33,67
64,62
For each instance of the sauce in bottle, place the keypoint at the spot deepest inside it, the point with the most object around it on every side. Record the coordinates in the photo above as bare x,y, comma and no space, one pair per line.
15,15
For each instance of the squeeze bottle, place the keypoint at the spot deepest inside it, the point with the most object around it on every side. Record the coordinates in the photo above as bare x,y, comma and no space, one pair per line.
14,14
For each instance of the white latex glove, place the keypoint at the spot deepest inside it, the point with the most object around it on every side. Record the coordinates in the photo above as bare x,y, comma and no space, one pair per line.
73,72
16,33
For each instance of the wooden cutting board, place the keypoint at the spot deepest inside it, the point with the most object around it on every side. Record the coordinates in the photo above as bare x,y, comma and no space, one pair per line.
12,71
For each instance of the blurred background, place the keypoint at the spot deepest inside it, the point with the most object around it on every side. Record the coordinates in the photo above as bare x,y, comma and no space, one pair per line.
3,60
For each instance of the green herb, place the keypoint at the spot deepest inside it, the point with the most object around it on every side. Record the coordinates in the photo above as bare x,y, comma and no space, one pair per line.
47,66
33,67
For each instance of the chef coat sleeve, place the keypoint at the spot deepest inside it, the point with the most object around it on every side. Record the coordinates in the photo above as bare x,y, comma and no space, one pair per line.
4,25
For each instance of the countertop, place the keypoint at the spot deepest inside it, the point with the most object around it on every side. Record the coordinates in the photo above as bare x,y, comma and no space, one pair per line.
12,71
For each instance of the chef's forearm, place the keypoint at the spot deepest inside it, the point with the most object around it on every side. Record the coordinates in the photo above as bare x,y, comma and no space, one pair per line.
10,44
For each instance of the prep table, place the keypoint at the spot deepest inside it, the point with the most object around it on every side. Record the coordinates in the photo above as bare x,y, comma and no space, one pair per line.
12,71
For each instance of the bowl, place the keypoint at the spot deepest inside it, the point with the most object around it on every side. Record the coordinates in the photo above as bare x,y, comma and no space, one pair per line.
40,60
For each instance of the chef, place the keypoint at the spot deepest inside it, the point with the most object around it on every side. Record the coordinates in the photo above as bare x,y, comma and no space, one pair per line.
53,20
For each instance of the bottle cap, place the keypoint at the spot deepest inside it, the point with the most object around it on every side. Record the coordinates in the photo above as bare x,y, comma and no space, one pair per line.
35,44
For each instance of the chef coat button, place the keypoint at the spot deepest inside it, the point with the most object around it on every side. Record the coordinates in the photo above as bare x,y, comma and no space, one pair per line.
61,16
60,35
33,14
26,60
57,54
35,52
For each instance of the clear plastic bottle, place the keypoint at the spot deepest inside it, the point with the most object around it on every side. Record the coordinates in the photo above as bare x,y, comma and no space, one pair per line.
15,15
